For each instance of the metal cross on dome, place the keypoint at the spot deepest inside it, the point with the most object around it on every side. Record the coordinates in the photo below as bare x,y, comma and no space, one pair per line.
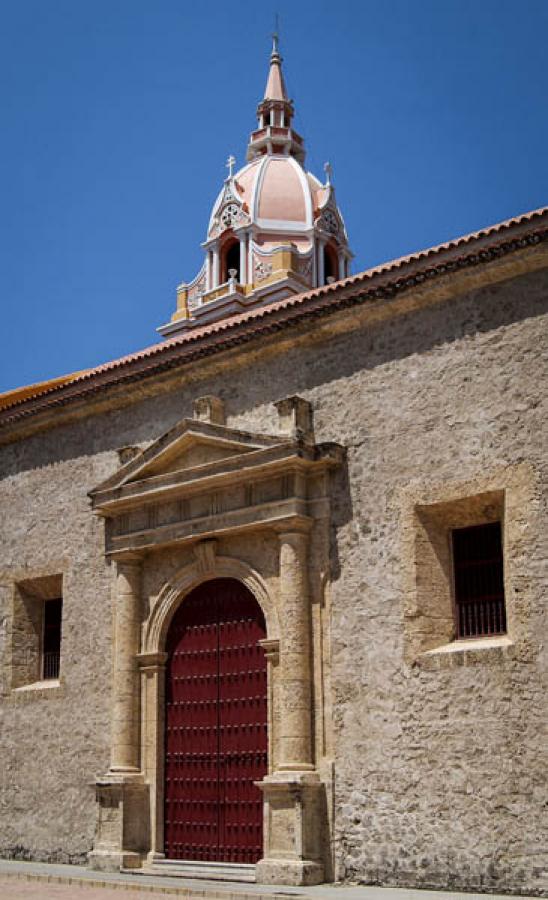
230,163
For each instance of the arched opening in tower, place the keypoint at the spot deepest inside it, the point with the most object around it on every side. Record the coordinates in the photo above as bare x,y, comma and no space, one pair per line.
230,260
330,264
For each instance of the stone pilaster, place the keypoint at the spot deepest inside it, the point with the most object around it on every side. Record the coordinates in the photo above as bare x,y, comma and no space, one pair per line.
271,649
153,667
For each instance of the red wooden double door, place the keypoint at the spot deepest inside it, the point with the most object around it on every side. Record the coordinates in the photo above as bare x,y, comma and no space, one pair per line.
216,726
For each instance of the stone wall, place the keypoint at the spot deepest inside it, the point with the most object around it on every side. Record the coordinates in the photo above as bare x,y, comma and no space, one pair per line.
439,762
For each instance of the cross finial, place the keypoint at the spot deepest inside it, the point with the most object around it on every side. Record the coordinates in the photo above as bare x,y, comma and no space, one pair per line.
230,163
328,169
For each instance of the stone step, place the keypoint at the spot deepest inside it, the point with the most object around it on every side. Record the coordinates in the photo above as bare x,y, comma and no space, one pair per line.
210,871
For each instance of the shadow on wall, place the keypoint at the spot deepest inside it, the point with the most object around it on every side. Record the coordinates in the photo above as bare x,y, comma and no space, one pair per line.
297,371
341,514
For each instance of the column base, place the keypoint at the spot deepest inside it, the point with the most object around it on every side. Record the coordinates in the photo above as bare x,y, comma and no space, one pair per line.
113,860
122,835
295,819
298,872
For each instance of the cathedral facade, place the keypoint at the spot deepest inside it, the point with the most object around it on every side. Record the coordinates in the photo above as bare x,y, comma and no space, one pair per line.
273,590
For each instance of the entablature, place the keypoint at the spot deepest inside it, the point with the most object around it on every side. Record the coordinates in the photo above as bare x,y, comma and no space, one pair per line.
203,479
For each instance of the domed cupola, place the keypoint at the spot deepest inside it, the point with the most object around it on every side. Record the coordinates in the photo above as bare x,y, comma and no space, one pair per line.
274,230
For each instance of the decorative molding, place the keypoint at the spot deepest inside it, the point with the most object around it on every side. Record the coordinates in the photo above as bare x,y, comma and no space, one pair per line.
271,647
261,269
190,577
205,553
329,221
151,662
304,266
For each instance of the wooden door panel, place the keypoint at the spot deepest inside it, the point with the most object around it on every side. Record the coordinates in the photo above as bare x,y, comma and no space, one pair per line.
216,731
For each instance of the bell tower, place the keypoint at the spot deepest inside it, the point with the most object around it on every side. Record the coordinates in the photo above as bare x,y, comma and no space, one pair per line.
275,112
275,229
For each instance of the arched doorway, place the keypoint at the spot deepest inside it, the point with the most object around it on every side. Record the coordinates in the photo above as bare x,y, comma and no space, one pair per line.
216,726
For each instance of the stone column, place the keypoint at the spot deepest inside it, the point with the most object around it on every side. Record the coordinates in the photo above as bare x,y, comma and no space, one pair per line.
342,266
321,262
125,709
250,272
293,794
242,279
296,688
123,825
216,267
208,270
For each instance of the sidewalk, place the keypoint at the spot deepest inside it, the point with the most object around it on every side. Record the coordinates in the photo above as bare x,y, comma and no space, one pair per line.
42,881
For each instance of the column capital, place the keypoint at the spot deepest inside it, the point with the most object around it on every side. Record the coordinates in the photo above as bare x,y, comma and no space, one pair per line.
299,527
151,661
128,558
271,647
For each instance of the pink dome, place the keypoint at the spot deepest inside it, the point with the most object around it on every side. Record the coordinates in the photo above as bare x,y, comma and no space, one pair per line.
274,192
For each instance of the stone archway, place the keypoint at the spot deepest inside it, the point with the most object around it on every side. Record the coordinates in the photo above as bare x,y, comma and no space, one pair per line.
215,726
265,501
173,597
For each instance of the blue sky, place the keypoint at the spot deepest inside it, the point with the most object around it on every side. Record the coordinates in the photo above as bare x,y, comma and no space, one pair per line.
118,116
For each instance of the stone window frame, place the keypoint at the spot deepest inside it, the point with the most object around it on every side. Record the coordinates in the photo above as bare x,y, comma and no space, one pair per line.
430,511
29,596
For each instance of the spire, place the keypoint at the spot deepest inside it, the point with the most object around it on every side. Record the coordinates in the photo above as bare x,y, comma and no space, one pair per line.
275,85
274,133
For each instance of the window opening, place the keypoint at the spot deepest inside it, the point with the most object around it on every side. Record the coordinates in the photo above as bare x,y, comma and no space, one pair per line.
51,648
330,266
479,581
231,260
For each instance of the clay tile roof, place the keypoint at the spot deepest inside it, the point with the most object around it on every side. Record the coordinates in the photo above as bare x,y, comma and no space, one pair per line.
381,281
9,398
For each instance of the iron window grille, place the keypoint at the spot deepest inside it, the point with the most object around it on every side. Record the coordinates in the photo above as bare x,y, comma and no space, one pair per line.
479,581
51,648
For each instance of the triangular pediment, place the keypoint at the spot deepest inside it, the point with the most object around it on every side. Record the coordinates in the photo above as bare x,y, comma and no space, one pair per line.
189,445
189,451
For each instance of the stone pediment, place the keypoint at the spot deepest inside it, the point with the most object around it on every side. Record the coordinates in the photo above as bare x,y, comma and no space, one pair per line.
203,478
190,445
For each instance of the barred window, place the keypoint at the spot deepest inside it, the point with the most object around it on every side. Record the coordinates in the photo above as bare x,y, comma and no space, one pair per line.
479,581
51,645
36,630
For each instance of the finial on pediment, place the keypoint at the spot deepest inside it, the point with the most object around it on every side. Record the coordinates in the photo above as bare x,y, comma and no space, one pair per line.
209,409
328,169
295,418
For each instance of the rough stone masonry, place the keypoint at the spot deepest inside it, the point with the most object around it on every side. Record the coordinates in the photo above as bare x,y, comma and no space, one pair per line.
432,752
